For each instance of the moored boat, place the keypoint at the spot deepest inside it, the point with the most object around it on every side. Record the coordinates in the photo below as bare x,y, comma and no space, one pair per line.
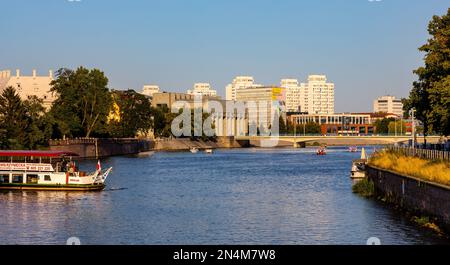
208,151
194,150
353,149
359,166
47,170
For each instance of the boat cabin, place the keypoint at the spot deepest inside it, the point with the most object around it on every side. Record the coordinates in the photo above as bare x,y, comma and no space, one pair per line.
31,167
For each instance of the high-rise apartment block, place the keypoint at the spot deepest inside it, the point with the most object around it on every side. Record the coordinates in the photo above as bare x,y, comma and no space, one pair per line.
388,104
149,90
240,82
202,89
317,96
293,95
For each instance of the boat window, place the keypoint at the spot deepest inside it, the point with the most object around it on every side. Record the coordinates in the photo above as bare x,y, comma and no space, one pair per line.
32,179
47,178
17,178
4,178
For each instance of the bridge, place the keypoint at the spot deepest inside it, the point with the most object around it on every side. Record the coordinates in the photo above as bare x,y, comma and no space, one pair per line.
301,140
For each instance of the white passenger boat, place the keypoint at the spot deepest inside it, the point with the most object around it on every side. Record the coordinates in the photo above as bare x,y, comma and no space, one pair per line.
47,170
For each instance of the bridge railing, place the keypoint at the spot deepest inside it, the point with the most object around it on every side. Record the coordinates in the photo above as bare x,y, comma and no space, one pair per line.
430,154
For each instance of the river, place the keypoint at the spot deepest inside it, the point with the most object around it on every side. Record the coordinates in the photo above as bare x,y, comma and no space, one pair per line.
239,196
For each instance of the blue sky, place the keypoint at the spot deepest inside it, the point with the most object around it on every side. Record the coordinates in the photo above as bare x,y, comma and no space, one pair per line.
366,48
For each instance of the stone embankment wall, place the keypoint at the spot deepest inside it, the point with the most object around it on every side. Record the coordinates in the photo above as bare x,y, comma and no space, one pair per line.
414,195
184,144
97,148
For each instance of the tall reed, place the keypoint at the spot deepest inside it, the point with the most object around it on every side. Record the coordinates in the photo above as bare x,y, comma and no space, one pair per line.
434,171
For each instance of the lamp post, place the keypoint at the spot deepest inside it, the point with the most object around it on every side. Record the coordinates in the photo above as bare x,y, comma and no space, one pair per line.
395,125
413,128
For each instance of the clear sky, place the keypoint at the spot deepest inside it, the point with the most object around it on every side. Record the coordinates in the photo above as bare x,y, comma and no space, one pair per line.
367,48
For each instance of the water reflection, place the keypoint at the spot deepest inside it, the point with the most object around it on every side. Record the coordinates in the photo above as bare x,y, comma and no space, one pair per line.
252,196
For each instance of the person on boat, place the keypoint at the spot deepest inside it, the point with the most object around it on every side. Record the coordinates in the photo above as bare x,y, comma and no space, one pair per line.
64,165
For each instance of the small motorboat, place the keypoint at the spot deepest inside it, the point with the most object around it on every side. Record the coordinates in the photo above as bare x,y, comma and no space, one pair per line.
321,151
358,169
359,166
353,149
146,154
208,151
194,150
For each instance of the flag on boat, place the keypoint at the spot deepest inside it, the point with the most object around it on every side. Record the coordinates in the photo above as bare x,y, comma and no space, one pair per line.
99,167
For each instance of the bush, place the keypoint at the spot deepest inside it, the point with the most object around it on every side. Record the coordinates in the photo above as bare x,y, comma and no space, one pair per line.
364,187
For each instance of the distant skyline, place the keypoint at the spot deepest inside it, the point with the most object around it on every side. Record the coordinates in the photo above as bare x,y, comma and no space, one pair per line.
368,48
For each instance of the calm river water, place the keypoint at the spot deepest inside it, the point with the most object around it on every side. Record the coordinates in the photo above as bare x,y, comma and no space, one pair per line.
242,196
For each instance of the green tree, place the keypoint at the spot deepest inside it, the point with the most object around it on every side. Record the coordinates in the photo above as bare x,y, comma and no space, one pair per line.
23,124
162,121
135,114
430,94
83,101
382,125
397,126
13,119
313,128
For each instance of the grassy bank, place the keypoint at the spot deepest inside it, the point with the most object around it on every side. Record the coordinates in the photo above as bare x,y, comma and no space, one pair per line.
434,171
364,187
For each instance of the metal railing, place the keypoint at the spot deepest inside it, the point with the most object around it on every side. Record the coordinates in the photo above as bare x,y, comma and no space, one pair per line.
430,154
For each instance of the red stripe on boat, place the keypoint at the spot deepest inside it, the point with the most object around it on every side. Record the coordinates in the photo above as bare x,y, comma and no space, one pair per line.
37,153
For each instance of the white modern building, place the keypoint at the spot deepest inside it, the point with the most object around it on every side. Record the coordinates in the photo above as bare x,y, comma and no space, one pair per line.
202,89
293,95
261,102
149,90
28,86
388,104
240,82
317,96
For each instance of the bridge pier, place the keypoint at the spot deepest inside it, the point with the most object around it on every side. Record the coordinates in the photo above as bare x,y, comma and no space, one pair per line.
299,145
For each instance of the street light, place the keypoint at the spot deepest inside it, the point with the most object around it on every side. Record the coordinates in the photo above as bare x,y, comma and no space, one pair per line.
413,129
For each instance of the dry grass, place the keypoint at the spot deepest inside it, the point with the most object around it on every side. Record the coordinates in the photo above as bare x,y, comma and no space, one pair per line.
434,171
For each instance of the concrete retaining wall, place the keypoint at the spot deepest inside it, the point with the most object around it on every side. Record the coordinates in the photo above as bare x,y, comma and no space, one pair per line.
413,195
92,148
184,144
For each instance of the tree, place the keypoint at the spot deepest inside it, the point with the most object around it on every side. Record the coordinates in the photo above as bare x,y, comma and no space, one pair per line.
13,120
397,127
162,120
430,95
83,101
313,128
134,114
23,124
382,126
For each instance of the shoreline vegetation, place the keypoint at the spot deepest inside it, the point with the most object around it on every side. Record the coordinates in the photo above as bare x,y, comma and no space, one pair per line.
428,170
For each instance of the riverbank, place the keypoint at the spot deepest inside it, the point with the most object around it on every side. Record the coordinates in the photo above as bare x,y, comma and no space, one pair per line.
185,144
88,148
414,195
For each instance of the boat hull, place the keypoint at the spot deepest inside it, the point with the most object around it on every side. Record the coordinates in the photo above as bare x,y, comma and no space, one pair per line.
358,174
96,187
